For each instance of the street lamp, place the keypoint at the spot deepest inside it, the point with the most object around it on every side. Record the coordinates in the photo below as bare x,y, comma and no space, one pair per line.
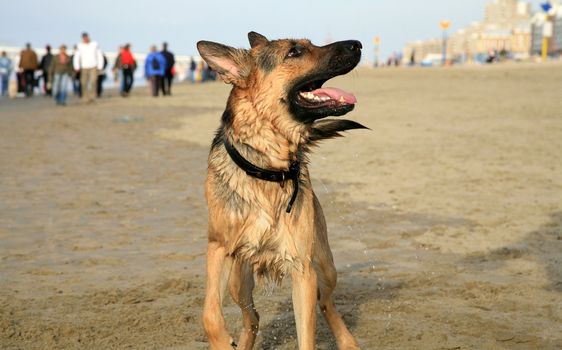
444,24
377,43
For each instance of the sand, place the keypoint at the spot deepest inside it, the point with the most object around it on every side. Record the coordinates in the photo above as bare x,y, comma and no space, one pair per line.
445,219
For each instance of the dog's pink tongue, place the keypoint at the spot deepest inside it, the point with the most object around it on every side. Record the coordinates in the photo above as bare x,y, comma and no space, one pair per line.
336,94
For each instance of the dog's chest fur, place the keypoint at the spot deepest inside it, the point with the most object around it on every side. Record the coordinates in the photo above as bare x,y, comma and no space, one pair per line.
253,212
268,243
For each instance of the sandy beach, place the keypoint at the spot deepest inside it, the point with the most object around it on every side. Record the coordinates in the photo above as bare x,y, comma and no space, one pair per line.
445,219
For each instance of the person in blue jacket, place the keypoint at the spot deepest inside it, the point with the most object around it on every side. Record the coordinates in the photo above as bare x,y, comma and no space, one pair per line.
154,69
5,72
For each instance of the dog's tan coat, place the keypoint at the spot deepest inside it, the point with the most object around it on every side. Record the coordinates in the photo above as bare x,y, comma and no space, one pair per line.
249,230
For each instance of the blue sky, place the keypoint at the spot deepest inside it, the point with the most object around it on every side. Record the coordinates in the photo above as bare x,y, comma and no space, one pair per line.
182,23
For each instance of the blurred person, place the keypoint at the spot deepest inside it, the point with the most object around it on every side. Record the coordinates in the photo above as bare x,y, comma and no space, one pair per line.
28,64
492,56
44,67
390,60
5,71
192,68
200,72
209,74
168,72
154,69
60,73
116,70
128,67
397,59
88,59
101,78
76,88
503,55
20,82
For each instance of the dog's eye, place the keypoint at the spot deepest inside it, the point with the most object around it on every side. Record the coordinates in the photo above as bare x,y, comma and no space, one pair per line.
295,51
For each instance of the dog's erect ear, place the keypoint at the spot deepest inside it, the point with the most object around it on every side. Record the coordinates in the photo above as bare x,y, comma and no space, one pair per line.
230,64
256,39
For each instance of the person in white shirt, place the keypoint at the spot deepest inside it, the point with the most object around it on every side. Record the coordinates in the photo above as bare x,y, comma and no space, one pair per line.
88,59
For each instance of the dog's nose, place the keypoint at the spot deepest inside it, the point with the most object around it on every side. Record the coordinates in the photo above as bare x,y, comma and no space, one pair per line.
353,45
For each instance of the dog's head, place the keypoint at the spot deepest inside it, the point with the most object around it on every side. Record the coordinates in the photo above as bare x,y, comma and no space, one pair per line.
287,76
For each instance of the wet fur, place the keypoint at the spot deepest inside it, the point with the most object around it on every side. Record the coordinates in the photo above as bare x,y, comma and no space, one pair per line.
249,230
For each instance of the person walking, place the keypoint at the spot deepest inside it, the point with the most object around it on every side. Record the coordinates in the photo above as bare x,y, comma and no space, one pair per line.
168,72
101,77
28,64
116,70
60,73
199,74
154,69
88,59
44,67
192,68
128,67
76,88
5,71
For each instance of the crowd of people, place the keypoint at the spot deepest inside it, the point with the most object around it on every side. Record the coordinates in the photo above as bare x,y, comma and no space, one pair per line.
84,69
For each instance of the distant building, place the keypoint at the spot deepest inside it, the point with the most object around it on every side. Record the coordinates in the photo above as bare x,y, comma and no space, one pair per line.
506,13
506,29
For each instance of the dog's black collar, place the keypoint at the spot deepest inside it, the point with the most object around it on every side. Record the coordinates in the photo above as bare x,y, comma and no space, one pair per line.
268,175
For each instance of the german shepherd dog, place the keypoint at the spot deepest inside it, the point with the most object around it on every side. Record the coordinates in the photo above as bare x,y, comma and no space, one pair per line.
264,218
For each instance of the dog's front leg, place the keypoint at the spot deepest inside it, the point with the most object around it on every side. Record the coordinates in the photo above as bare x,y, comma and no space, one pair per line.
218,270
304,305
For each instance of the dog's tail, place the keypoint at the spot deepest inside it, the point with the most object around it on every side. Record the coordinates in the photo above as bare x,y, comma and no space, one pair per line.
330,128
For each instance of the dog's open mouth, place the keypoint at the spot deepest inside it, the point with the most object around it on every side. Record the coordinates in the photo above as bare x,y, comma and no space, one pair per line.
327,97
316,99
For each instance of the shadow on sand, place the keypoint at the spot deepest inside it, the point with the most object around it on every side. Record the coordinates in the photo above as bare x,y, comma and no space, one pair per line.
358,280
543,244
